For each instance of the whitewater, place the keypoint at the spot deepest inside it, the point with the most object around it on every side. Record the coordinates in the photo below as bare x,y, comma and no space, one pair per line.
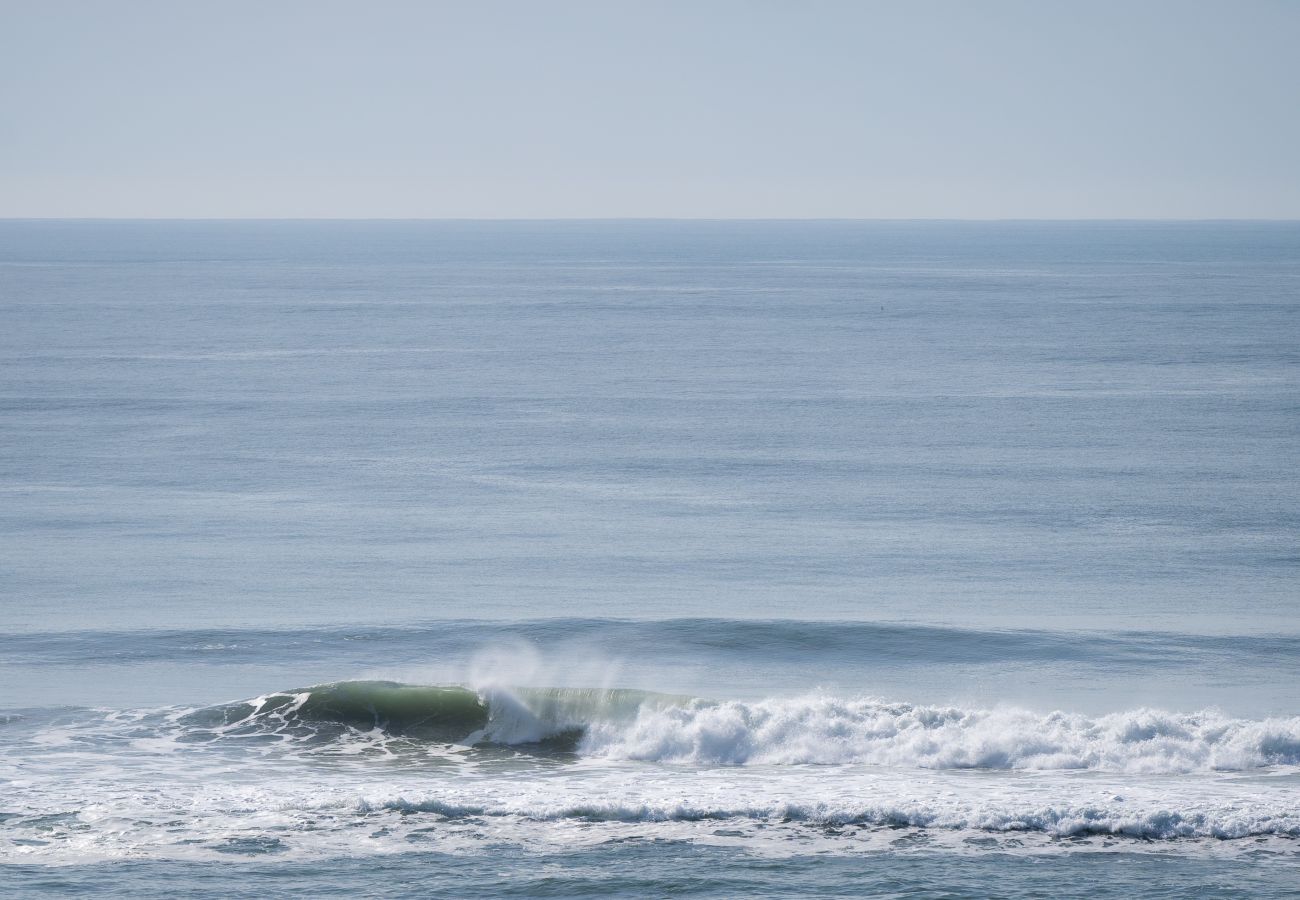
458,767
647,558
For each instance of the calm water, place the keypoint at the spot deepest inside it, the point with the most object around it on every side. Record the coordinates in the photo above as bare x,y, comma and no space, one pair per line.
732,558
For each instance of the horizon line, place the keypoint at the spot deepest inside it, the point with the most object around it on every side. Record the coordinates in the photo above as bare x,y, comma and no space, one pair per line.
503,219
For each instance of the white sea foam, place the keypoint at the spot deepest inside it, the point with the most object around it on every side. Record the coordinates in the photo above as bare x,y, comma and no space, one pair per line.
817,729
829,730
629,725
313,811
816,773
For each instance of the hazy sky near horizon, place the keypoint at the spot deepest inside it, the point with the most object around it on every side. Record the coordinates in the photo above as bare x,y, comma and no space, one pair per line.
731,108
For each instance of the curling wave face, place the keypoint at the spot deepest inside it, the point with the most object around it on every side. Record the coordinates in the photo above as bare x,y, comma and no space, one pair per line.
449,714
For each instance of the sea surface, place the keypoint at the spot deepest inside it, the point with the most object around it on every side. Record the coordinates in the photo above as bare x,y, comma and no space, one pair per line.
649,558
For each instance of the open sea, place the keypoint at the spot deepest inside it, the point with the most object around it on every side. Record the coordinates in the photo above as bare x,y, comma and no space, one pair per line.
649,558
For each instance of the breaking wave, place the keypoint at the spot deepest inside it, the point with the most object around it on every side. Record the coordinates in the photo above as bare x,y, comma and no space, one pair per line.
809,730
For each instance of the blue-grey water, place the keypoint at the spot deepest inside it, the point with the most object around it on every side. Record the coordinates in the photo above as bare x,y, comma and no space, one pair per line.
730,558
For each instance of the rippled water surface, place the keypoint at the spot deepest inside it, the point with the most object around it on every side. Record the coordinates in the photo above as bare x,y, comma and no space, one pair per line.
641,558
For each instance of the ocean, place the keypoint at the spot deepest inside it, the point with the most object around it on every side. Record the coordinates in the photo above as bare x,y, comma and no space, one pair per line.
648,557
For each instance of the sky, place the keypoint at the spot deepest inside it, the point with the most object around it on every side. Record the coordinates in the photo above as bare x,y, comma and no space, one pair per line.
701,109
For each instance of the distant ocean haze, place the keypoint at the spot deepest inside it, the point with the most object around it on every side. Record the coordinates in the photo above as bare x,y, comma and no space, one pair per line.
214,424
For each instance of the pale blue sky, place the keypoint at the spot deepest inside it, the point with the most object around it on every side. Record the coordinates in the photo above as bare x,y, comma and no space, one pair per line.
692,109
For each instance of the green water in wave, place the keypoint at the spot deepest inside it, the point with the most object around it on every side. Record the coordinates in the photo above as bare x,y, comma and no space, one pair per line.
445,713
429,713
